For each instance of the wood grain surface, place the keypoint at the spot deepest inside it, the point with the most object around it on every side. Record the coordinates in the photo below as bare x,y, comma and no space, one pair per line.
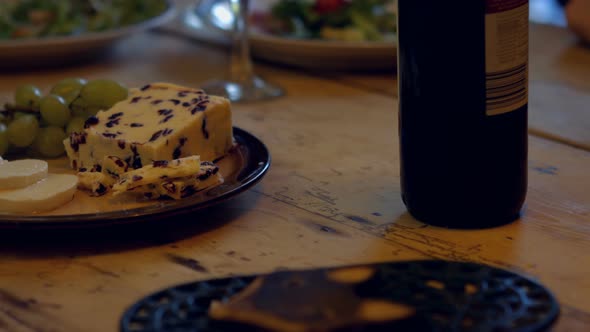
331,198
559,86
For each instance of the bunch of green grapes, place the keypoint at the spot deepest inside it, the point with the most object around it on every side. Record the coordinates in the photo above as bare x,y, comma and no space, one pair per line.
38,124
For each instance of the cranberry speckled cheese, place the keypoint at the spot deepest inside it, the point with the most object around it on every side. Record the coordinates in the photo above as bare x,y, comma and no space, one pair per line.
158,171
96,183
180,187
160,121
175,179
114,167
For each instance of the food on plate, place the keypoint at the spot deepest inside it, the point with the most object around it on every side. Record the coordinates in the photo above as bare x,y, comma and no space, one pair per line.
175,179
54,110
158,170
96,183
43,18
157,141
342,20
159,121
99,94
27,97
22,130
114,167
47,194
37,124
21,173
26,186
48,141
69,89
4,144
75,125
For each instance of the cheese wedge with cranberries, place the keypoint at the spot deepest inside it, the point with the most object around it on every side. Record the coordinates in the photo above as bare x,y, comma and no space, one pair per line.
160,121
158,171
175,179
96,183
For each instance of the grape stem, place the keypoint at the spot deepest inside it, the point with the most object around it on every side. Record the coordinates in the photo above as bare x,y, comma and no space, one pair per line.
10,110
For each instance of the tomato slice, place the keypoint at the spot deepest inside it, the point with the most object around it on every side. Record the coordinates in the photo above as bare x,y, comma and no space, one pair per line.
328,6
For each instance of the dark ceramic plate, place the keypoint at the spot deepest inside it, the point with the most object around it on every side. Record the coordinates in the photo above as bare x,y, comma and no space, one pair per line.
243,168
447,297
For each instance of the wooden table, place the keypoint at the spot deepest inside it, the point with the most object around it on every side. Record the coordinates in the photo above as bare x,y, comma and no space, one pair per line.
331,198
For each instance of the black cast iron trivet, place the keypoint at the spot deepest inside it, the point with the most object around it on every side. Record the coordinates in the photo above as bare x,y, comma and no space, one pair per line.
447,296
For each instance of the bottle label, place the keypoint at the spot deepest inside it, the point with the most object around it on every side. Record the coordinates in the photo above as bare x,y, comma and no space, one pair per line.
506,39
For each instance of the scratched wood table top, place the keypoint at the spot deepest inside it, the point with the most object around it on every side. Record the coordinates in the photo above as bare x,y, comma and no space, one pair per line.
331,198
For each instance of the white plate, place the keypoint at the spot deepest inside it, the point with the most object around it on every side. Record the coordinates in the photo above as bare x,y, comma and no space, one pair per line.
61,50
317,54
209,21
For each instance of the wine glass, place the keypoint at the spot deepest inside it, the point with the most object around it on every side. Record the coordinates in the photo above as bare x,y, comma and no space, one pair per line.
242,84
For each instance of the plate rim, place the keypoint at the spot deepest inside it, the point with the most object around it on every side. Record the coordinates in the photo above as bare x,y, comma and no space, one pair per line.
328,44
164,17
181,207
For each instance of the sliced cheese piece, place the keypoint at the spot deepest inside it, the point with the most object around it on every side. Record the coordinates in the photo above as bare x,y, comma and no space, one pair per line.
100,182
175,179
114,167
178,188
160,121
158,171
21,173
48,194
96,183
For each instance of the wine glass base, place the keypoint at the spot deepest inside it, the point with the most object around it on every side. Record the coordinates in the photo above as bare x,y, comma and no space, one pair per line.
253,90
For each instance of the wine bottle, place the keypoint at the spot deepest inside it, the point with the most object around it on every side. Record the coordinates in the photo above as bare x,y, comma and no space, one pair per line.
463,89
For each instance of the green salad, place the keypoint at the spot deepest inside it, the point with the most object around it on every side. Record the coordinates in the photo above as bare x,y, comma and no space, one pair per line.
344,20
42,18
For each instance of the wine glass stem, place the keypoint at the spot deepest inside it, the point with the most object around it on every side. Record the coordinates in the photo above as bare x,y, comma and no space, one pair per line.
241,63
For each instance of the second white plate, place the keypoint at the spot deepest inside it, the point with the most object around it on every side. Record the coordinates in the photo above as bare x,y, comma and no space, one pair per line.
208,21
316,54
